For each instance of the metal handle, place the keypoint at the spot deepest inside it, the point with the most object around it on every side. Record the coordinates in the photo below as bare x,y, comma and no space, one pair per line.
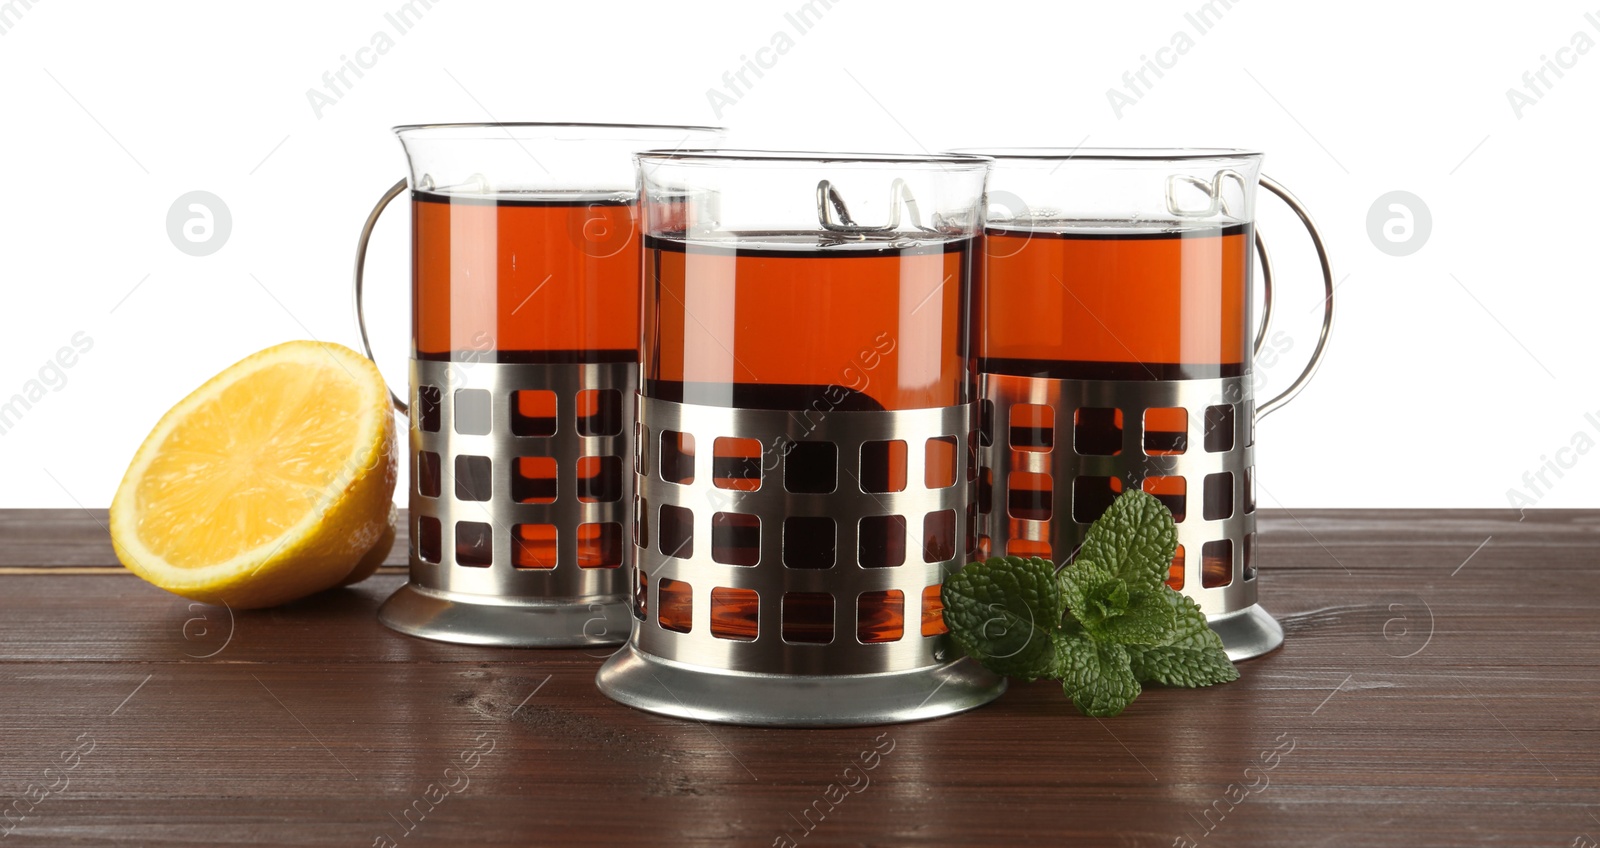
361,271
1327,301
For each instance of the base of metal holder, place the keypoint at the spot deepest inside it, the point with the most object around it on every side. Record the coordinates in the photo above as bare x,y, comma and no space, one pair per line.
1248,633
506,622
783,700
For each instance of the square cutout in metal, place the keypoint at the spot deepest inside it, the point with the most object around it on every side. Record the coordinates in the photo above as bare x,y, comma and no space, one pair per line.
1092,496
473,412
533,412
600,545
880,616
933,612
1033,427
735,538
1173,492
677,457
675,601
677,531
939,536
641,595
736,464
428,474
939,463
429,400
1030,495
808,617
1097,431
883,466
1216,564
641,521
474,478
534,480
735,613
533,546
599,479
809,541
474,544
429,543
599,412
882,541
1219,428
1219,496
811,468
1166,431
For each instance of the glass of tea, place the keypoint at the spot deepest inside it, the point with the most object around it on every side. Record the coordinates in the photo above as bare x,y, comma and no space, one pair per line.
805,415
1116,352
524,365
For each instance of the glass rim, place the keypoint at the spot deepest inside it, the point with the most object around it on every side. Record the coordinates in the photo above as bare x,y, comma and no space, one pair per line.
723,155
1125,154
493,129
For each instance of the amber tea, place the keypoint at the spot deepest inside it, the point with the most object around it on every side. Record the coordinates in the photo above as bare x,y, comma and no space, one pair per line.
1111,302
725,336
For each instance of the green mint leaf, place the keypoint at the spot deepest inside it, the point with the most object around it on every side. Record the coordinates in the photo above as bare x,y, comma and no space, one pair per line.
1147,620
1189,629
1185,667
1097,676
1103,625
1093,593
1003,613
1192,656
1110,610
1135,538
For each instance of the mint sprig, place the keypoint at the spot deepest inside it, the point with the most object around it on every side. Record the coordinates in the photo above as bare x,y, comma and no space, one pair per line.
1102,625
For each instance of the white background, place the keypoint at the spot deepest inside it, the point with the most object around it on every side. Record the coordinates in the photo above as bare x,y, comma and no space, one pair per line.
1452,373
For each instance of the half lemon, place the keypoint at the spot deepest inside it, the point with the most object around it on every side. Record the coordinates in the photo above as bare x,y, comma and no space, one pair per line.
271,482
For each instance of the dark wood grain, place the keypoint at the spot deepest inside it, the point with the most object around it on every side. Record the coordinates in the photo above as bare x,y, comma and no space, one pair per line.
80,538
1429,699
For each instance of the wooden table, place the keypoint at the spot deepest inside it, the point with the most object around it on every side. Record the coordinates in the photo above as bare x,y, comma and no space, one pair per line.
1440,686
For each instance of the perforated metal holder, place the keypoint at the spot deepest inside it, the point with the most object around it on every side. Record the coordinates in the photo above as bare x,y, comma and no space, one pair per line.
1047,483
690,670
481,570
